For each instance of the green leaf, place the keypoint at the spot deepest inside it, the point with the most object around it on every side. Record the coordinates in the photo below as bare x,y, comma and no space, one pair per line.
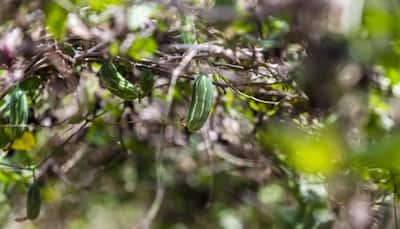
146,81
100,5
114,48
56,18
77,2
98,134
143,48
377,102
224,3
8,177
4,137
377,21
31,84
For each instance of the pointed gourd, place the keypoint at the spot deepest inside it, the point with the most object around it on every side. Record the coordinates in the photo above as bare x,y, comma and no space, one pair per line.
112,80
201,102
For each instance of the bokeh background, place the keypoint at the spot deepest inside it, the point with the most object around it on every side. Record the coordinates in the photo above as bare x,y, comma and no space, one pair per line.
303,131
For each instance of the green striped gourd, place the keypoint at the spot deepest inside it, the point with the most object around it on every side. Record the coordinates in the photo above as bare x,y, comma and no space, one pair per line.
19,112
33,202
111,79
201,102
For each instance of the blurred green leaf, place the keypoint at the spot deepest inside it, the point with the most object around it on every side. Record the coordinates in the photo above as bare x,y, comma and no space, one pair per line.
114,48
143,48
224,2
56,19
378,123
8,177
77,2
100,5
4,137
383,153
377,103
31,84
98,134
393,74
242,27
146,81
307,153
377,21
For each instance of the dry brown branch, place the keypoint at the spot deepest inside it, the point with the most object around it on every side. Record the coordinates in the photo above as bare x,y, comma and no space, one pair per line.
233,55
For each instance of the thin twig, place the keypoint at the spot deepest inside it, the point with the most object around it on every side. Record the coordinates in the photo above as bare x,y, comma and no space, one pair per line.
57,150
14,167
236,56
234,160
175,74
61,146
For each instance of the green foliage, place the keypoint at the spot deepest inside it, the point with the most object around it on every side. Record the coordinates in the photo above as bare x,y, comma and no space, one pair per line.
143,47
56,19
297,147
146,81
376,155
100,5
98,134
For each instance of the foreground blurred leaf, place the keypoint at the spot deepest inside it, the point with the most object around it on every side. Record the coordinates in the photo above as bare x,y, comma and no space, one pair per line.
318,153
